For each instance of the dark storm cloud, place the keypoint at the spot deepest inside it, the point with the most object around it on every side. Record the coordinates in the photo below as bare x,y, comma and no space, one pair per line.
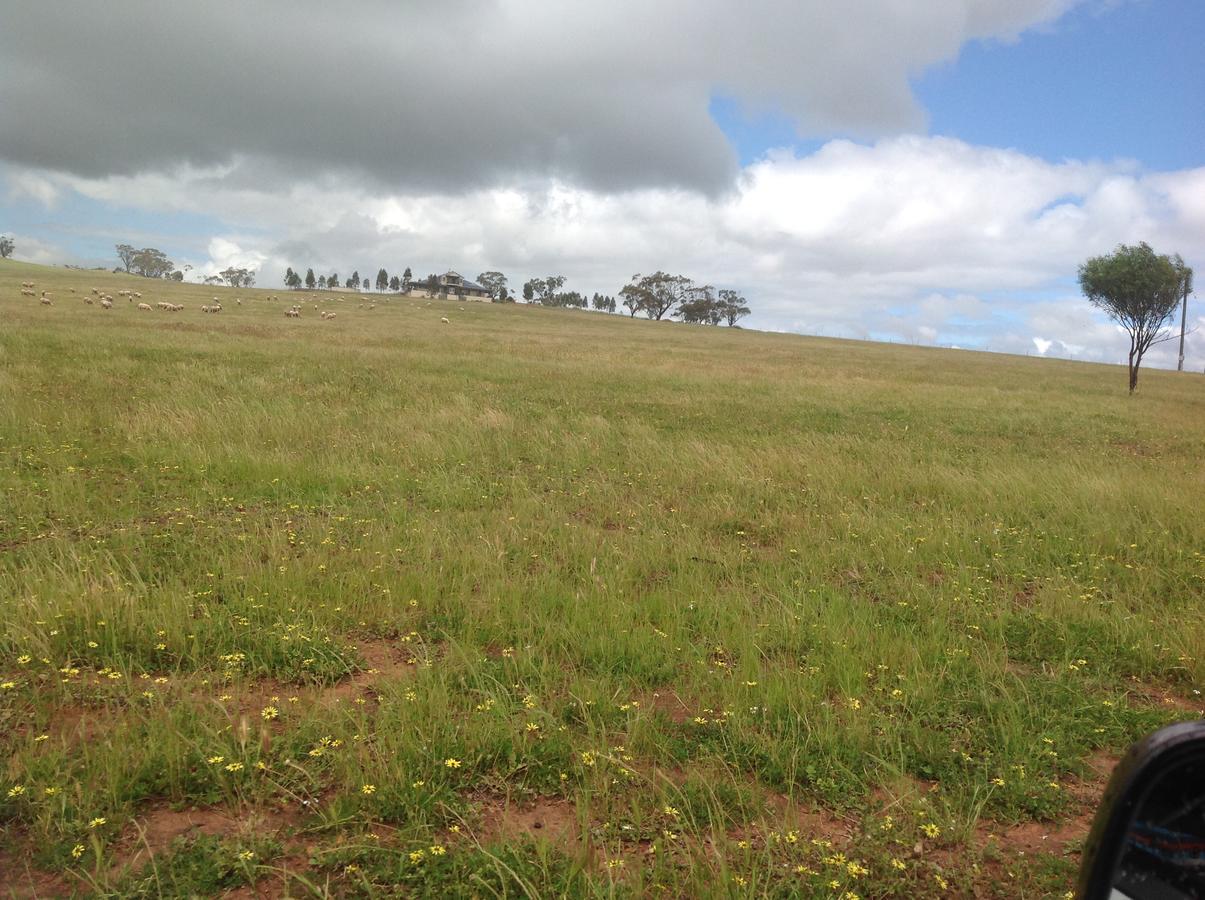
447,96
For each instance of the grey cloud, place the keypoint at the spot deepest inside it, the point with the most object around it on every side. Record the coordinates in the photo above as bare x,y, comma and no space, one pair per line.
449,96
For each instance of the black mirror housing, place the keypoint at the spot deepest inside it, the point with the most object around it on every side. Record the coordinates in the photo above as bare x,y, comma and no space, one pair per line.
1148,837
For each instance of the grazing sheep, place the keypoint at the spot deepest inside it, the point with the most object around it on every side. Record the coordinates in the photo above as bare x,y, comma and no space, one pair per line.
106,304
96,290
46,296
238,300
163,304
144,306
444,319
293,313
46,301
27,292
137,295
28,284
88,300
328,315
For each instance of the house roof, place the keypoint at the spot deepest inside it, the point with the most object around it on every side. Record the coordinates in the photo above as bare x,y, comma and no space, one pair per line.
465,283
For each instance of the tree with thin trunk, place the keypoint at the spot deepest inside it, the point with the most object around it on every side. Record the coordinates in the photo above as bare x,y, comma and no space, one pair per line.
1139,290
310,280
382,280
126,254
6,246
732,306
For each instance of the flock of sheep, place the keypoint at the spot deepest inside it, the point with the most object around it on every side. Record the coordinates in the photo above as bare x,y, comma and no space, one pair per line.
28,289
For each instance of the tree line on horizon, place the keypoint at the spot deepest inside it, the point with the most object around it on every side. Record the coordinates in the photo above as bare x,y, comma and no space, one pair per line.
656,296
1137,288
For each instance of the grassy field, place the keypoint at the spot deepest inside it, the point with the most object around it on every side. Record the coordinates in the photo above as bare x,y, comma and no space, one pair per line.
543,602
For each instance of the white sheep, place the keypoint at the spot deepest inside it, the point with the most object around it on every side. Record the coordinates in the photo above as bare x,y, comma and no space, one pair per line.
88,300
444,319
46,301
106,304
144,306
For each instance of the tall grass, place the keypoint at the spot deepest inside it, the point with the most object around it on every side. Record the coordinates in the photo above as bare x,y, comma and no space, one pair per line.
699,589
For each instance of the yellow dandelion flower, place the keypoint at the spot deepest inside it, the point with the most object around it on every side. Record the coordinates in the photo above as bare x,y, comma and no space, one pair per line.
368,789
451,763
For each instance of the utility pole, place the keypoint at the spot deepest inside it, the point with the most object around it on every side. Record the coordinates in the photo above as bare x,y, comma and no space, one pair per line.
1184,317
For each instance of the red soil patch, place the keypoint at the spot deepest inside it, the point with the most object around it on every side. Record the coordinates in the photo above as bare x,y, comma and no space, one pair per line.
385,659
152,832
1055,837
811,822
20,880
670,705
546,819
1158,695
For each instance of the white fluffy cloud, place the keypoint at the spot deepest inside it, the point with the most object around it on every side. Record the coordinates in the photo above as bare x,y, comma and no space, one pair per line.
928,240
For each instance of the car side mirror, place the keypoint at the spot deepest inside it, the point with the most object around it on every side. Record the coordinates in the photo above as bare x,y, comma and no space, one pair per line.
1148,838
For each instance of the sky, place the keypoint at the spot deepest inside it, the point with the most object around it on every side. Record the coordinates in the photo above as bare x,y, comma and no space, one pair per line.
929,173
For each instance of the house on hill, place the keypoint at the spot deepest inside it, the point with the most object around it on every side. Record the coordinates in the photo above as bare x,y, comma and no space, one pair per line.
449,284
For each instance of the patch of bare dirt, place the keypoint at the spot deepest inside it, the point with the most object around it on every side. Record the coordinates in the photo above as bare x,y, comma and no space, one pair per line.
1055,837
549,819
1162,696
810,821
80,724
18,879
669,704
385,659
1029,838
153,831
